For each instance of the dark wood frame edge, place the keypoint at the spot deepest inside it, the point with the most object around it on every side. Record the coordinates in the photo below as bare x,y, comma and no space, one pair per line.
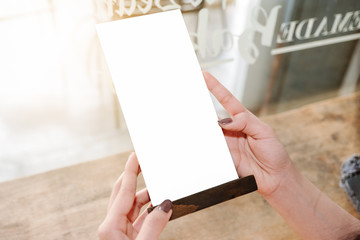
212,196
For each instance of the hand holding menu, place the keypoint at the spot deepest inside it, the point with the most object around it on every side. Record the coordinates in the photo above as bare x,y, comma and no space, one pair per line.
166,105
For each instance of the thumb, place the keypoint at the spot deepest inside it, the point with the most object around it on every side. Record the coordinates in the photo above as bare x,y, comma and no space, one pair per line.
156,221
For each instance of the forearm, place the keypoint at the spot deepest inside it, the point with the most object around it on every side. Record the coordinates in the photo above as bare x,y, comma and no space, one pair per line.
309,211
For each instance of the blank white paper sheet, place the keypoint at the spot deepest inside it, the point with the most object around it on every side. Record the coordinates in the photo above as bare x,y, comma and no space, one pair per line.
167,107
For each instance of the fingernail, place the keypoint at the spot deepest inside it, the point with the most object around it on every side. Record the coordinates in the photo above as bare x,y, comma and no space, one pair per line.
225,121
165,206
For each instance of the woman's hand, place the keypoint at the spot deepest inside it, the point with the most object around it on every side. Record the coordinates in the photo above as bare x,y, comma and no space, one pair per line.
122,220
253,145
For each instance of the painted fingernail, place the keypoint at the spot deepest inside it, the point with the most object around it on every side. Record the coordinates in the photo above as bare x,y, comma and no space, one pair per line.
225,121
165,206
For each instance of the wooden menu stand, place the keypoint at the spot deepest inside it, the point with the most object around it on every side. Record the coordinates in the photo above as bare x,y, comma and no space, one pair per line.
212,196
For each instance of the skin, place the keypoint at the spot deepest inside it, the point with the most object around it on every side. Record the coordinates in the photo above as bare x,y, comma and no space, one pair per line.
123,219
255,150
253,145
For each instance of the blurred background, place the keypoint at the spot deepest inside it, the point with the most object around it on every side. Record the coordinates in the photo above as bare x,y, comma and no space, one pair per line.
57,103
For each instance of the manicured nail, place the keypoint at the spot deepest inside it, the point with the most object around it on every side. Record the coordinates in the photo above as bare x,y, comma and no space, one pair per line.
165,206
225,121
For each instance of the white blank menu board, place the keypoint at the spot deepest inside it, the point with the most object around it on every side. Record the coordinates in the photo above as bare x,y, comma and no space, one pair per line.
166,105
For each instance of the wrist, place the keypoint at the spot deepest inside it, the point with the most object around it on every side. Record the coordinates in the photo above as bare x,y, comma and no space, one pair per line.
308,211
286,182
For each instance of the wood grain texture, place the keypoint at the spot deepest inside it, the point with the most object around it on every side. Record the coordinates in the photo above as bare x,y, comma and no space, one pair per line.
212,196
70,203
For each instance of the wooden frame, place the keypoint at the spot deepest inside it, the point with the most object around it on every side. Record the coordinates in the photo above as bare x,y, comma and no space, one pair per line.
212,196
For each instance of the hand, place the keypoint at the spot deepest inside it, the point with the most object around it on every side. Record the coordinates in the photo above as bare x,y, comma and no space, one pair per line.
122,220
253,145
256,150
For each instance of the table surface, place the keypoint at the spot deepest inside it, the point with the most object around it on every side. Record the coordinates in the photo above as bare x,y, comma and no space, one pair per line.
70,203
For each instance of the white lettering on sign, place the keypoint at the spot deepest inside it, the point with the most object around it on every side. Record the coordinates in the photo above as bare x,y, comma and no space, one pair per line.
305,29
171,6
287,30
148,5
313,28
193,3
322,28
249,51
211,45
122,9
217,40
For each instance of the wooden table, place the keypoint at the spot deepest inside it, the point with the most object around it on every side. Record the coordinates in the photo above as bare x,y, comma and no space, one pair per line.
70,203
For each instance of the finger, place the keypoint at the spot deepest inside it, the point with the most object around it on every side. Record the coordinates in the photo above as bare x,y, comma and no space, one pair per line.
248,124
224,96
156,221
140,220
142,197
117,185
115,191
124,200
116,188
